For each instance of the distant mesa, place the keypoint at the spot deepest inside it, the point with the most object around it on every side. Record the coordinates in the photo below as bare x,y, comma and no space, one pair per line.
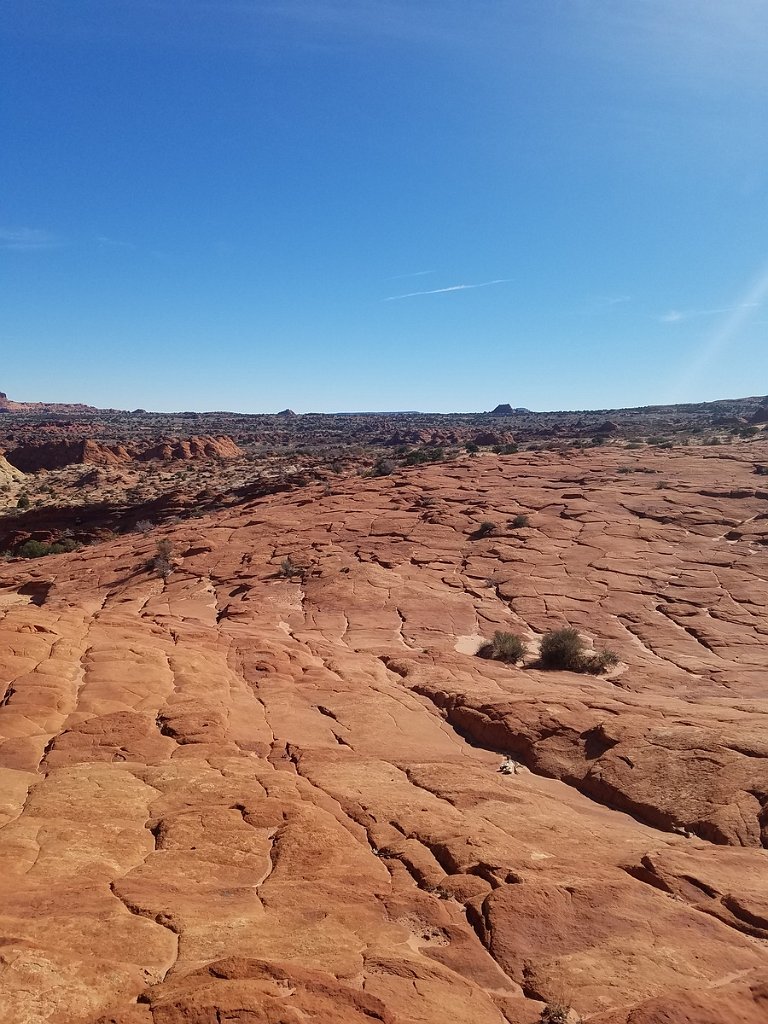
7,405
288,414
506,410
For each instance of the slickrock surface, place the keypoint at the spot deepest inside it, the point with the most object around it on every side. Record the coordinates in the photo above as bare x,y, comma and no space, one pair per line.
230,796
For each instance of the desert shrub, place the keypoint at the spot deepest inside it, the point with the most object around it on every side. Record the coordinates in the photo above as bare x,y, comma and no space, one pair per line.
626,469
554,1013
485,529
383,467
504,647
761,470
471,447
602,661
562,649
33,549
162,562
518,522
23,501
289,569
64,545
143,526
37,548
418,456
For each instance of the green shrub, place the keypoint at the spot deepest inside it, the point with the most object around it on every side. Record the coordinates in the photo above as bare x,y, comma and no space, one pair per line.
504,647
38,549
565,650
384,467
519,522
33,549
23,501
562,649
421,455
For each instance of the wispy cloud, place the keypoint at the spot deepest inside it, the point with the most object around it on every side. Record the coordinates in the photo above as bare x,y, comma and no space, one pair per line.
452,288
675,316
28,239
419,273
114,243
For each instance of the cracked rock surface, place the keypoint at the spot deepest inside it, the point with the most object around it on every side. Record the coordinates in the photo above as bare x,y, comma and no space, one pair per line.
232,795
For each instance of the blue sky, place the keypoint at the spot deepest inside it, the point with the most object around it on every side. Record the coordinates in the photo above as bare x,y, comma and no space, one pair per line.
381,204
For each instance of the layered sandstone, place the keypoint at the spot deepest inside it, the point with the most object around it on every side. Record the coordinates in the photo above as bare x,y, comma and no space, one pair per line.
246,793
36,455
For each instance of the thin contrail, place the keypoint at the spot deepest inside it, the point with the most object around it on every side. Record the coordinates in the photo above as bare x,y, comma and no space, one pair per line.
674,316
453,288
419,273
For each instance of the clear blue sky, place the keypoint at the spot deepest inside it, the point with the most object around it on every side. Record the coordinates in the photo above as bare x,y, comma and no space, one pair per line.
228,204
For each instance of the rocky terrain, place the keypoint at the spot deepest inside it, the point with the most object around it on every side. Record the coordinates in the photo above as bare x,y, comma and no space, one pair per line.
88,473
252,769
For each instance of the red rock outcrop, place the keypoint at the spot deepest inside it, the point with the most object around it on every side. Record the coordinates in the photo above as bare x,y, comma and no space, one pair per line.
241,794
190,448
38,455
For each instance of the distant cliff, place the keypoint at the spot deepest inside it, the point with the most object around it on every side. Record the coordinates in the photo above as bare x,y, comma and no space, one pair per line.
7,405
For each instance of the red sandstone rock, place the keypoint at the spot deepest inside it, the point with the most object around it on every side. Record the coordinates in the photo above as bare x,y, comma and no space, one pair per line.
38,455
226,795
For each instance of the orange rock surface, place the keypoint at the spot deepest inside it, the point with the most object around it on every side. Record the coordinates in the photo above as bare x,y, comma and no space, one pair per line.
242,794
38,455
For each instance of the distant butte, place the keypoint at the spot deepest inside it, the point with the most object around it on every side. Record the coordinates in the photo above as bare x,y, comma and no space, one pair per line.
506,410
